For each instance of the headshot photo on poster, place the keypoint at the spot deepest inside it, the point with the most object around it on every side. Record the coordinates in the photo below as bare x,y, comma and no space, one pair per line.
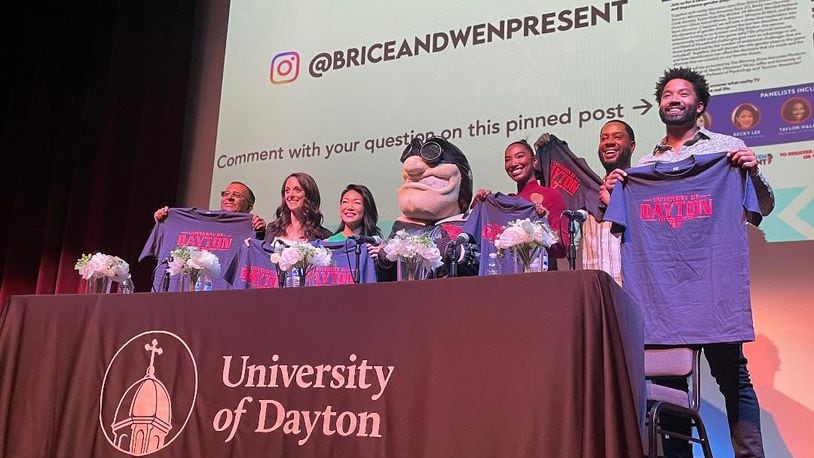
796,110
746,116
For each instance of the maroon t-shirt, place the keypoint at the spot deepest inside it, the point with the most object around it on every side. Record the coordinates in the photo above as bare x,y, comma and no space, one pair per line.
553,201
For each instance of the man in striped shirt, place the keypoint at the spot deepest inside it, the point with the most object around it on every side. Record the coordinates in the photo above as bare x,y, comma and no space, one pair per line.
600,248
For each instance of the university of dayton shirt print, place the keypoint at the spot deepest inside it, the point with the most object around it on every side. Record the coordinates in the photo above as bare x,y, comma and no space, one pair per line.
685,252
219,232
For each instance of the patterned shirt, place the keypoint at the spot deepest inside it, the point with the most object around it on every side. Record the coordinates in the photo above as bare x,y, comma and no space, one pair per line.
601,250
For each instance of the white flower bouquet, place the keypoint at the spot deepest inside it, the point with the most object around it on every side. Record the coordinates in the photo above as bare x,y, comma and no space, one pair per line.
99,270
417,255
189,259
100,265
525,239
193,263
300,256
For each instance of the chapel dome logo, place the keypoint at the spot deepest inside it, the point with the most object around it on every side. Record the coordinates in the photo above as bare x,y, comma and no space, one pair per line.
137,413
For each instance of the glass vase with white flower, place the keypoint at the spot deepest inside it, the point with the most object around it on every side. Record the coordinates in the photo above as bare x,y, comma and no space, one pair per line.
527,242
100,270
416,256
195,266
296,261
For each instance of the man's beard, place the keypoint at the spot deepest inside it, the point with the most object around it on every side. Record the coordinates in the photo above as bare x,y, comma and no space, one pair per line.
622,160
689,115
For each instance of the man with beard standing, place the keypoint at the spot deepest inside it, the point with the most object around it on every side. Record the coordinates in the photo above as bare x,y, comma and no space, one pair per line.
600,248
683,95
685,301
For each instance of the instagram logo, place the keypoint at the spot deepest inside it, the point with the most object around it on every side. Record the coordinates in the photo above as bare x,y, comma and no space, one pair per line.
285,67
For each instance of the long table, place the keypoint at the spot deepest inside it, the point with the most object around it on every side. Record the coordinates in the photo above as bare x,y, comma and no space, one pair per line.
547,364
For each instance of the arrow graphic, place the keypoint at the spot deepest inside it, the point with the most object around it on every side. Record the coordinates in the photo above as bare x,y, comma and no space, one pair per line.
791,215
647,106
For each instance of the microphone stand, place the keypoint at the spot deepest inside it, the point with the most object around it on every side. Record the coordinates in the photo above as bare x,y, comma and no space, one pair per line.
453,263
358,252
281,277
572,244
278,246
165,280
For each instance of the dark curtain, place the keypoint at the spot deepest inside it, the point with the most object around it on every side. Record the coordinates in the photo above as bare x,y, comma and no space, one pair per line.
93,117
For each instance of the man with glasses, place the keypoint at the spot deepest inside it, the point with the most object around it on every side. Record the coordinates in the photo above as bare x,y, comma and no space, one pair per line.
236,198
218,231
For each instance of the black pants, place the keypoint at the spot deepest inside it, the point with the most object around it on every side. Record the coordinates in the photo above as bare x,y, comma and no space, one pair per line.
728,366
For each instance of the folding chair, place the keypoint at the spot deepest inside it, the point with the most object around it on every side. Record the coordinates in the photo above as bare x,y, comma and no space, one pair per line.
674,362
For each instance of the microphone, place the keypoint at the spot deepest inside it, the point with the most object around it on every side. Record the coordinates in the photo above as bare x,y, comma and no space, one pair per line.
279,245
360,239
463,237
576,215
458,251
369,239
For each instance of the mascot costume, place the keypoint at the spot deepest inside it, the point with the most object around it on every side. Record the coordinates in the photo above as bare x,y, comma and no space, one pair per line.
433,198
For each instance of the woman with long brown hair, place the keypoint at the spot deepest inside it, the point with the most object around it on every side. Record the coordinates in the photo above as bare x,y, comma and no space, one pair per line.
298,216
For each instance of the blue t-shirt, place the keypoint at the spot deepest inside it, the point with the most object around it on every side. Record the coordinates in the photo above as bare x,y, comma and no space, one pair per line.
220,232
252,267
343,262
488,218
685,255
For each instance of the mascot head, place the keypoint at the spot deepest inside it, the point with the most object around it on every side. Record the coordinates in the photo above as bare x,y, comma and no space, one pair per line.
437,181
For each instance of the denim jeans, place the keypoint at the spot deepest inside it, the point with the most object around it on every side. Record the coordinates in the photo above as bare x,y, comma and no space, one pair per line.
728,366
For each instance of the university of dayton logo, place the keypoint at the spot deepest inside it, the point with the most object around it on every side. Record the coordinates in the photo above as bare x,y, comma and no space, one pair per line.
563,178
137,412
676,209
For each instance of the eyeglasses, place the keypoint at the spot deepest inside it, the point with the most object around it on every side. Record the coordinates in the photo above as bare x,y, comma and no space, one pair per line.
430,151
236,195
436,151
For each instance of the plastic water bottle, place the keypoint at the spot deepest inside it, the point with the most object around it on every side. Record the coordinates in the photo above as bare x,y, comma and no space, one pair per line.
493,268
204,283
126,286
293,278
